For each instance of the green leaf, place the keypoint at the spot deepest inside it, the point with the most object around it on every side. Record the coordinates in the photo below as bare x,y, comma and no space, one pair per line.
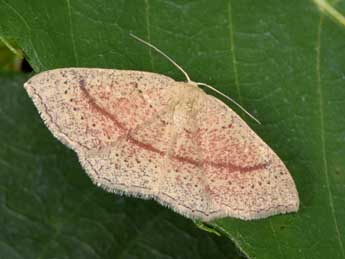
50,209
282,60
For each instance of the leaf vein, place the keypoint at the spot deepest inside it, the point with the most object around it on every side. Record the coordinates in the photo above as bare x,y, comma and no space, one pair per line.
322,133
69,10
276,239
148,30
232,51
331,11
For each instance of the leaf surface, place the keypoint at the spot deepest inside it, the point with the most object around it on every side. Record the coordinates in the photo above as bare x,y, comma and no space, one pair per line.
282,60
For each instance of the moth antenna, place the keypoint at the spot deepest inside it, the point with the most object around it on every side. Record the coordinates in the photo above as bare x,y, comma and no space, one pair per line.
163,54
188,78
231,100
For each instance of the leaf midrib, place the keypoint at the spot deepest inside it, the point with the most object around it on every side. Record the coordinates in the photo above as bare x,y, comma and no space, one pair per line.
322,133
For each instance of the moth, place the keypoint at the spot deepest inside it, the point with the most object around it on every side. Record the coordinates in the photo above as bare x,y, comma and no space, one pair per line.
146,135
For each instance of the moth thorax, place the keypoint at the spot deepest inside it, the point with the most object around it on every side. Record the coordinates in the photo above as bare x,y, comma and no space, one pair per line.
187,105
188,92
